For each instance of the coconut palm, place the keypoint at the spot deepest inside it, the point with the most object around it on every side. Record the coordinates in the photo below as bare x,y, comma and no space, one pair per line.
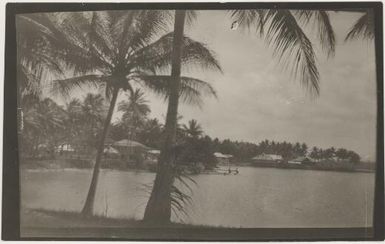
193,129
31,68
74,121
290,43
33,63
114,50
158,208
152,132
134,111
136,108
93,107
43,121
93,112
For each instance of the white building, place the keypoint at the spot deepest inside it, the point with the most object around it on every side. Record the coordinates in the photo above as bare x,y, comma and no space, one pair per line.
153,155
268,157
301,160
223,158
64,148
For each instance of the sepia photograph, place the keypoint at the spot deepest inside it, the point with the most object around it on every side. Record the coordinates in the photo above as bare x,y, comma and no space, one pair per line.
133,119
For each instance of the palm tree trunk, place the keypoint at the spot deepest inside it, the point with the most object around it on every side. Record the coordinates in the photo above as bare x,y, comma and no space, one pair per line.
158,209
89,204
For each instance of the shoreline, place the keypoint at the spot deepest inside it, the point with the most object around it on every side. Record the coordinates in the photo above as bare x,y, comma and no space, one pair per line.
205,172
300,167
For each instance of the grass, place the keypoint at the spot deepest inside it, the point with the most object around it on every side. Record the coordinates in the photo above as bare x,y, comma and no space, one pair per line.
44,218
67,225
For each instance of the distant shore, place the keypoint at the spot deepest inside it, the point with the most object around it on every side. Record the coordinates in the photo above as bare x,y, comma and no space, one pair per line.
60,164
322,166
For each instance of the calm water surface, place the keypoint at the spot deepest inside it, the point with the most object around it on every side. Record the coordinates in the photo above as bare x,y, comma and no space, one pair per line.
256,197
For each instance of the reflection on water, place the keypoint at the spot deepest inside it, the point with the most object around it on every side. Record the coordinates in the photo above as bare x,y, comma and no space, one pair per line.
256,197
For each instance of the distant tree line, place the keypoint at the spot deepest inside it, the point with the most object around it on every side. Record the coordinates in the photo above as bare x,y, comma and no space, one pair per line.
48,125
247,150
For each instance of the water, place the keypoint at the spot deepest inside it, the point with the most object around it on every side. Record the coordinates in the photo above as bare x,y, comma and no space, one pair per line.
257,197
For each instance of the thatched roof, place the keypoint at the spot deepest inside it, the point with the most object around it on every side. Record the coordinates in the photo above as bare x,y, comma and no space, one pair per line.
221,155
128,143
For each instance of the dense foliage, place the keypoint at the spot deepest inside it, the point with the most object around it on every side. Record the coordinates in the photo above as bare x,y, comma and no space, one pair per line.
48,125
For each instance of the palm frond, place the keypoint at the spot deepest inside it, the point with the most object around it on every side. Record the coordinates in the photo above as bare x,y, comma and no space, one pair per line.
66,86
291,43
137,105
288,40
364,27
191,89
186,181
33,57
100,35
70,43
250,18
136,29
191,16
158,55
325,30
180,199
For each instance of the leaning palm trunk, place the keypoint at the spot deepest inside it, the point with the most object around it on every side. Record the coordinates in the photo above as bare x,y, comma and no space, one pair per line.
89,204
158,209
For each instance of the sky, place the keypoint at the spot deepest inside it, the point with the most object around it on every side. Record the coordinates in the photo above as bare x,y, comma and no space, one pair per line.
258,99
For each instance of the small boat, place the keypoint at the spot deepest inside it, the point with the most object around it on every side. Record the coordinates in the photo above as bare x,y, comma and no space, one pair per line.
221,171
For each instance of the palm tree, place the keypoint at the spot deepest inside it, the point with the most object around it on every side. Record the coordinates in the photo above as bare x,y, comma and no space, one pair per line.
32,66
193,129
158,208
43,121
290,42
152,132
74,121
135,111
115,49
136,105
315,153
32,61
93,109
304,149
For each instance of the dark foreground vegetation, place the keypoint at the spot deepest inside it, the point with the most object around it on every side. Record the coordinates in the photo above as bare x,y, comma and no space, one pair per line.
44,218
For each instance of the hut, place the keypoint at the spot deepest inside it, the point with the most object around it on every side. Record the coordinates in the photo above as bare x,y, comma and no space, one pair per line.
152,155
267,158
223,158
110,152
128,148
304,160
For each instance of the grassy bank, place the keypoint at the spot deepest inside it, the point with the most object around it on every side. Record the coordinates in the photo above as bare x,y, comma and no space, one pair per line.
67,224
62,225
44,218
